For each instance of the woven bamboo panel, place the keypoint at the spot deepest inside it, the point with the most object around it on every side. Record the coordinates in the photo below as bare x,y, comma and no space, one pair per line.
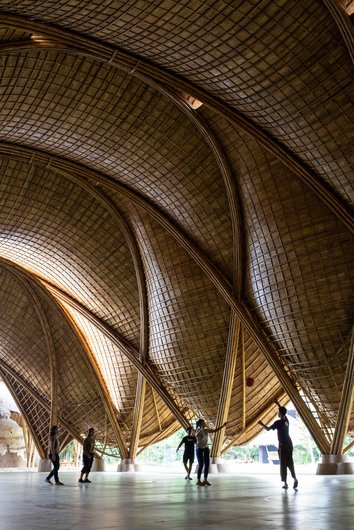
23,344
27,355
285,66
36,415
44,215
109,121
188,320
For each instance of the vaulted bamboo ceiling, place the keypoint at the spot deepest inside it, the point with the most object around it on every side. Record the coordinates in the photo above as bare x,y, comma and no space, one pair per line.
144,241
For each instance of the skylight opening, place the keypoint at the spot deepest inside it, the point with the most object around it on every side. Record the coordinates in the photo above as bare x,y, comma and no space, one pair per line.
193,102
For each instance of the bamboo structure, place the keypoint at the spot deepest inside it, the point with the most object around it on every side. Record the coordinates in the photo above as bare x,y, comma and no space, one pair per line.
147,243
346,404
227,383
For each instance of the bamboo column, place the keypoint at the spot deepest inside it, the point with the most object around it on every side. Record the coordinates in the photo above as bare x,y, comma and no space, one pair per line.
137,415
227,383
346,404
243,364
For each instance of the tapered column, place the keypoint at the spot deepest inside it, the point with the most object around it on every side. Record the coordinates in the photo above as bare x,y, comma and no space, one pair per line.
137,416
336,462
227,383
346,404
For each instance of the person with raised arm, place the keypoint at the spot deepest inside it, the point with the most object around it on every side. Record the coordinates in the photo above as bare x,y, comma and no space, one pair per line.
285,449
203,451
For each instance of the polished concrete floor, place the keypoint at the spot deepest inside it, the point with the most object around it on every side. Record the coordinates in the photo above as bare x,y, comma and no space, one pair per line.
150,501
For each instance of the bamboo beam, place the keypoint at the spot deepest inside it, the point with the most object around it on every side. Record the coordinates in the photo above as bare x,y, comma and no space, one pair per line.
346,404
232,193
227,383
348,447
343,22
156,409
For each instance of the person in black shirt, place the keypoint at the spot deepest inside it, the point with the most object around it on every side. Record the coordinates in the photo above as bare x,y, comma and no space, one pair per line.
189,442
285,449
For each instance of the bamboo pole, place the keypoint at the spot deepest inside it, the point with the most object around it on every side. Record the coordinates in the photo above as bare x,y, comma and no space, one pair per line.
156,409
243,371
227,383
137,415
348,447
346,404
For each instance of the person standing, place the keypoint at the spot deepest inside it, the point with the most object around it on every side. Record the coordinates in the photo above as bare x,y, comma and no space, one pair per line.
285,449
203,451
189,442
54,456
88,455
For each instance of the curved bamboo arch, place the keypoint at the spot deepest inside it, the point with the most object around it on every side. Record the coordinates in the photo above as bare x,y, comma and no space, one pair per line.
113,210
343,22
88,358
50,344
233,196
148,71
4,368
4,373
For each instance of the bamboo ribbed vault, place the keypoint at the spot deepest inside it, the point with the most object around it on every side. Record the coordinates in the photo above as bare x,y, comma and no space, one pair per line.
154,256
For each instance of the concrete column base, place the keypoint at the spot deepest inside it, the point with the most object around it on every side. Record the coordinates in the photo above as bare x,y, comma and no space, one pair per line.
218,465
98,465
126,465
44,465
335,465
213,468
